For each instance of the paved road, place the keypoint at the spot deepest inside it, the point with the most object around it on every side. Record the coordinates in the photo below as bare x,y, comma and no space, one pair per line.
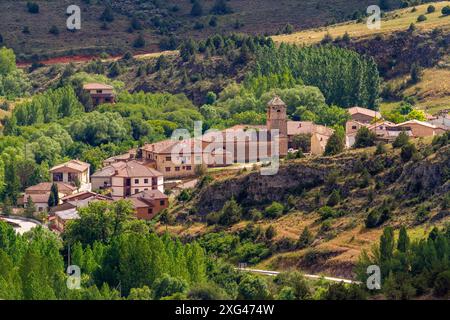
311,276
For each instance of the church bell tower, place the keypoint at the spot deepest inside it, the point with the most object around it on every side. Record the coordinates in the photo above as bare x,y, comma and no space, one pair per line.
277,120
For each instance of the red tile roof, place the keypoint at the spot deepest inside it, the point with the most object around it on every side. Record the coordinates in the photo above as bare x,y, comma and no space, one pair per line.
47,186
76,165
97,86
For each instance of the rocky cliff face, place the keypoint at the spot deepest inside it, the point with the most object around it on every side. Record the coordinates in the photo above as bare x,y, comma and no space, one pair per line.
428,177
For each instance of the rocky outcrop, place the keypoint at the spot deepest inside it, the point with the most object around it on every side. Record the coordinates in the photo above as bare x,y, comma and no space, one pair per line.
428,176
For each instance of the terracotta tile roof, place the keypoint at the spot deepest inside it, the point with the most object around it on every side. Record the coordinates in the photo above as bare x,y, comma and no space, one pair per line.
422,123
305,127
62,207
150,195
122,157
135,169
365,111
47,186
139,203
97,86
166,146
85,195
76,165
37,198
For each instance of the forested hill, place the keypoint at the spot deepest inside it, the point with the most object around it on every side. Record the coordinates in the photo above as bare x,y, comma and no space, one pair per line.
119,25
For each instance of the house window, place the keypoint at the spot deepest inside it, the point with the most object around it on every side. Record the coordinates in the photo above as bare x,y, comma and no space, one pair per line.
189,168
58,177
154,181
136,190
150,211
177,168
354,127
167,169
136,181
162,202
72,177
146,189
99,91
168,158
145,181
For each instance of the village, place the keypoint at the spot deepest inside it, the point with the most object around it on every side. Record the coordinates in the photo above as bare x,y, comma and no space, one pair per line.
146,176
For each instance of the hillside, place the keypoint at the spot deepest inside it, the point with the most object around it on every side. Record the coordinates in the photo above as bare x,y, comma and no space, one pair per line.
392,22
367,183
158,21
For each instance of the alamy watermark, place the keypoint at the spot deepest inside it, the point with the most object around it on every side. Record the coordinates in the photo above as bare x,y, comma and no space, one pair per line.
74,20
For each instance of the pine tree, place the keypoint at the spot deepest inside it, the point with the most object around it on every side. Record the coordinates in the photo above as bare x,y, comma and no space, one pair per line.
335,144
403,240
12,187
306,238
53,199
387,245
30,208
197,9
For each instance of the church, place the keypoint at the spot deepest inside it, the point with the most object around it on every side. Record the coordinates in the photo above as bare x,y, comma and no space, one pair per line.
178,158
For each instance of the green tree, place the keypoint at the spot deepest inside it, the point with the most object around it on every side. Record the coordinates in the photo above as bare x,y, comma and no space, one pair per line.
30,208
305,239
253,288
275,210
231,213
7,61
335,144
403,240
197,9
53,199
401,140
364,138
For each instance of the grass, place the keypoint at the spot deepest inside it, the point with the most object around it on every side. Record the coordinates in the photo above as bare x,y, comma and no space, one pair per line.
432,92
392,22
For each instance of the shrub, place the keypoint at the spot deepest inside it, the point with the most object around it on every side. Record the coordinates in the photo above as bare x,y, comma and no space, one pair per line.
327,212
33,7
364,138
377,216
253,287
230,213
422,18
336,143
422,214
255,215
431,8
197,9
416,73
408,151
442,284
274,211
270,233
107,15
296,281
213,21
54,30
401,140
334,198
342,291
381,148
306,238
139,42
221,8
446,10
